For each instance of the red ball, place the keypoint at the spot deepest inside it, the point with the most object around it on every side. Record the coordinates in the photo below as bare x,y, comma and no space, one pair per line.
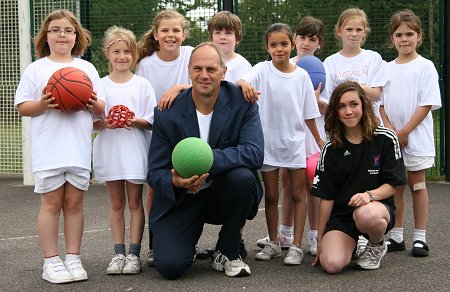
311,164
119,115
71,88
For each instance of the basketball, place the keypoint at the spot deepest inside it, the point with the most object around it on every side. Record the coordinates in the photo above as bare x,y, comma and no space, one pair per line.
192,156
71,88
119,115
311,165
315,69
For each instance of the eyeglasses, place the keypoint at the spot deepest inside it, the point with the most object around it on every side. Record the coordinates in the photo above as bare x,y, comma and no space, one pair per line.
57,31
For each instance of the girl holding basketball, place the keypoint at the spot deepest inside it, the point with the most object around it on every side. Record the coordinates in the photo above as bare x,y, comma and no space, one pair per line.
121,154
286,87
163,61
408,98
61,142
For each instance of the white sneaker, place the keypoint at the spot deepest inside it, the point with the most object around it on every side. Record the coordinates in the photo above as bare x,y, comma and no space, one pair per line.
270,250
116,265
132,265
234,268
76,270
312,240
56,273
294,256
285,241
371,257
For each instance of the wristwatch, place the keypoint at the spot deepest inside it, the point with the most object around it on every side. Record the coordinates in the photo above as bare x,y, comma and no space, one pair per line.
371,195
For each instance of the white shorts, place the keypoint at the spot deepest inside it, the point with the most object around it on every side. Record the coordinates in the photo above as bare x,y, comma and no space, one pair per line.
49,180
137,181
267,168
415,163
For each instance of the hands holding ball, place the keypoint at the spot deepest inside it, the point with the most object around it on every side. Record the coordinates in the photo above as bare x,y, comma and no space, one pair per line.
192,158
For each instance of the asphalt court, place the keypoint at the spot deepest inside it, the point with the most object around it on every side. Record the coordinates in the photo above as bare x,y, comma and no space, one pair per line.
22,255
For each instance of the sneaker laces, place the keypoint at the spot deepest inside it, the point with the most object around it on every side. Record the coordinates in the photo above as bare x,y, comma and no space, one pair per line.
269,248
220,259
371,253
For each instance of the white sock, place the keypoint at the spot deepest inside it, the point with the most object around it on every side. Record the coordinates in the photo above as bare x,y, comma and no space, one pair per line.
419,234
287,231
72,257
397,234
52,260
312,233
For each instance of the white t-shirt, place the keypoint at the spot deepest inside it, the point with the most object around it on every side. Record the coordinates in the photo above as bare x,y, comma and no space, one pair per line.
58,139
412,85
164,75
311,146
286,100
121,153
237,68
366,68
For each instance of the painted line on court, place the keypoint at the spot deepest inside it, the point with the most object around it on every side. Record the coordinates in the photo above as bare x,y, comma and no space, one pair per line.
84,232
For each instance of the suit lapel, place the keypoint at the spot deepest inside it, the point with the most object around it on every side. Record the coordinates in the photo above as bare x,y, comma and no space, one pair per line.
219,119
190,123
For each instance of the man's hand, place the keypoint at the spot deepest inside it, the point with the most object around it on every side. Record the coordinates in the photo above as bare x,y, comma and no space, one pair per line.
193,183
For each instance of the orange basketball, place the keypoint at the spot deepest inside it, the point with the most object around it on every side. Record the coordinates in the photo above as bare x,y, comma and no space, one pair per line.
71,88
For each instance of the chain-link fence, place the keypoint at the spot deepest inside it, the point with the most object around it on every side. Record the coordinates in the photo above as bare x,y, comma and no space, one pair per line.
256,16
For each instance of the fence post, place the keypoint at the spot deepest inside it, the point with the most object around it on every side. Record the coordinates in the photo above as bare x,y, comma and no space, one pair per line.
228,5
446,82
25,60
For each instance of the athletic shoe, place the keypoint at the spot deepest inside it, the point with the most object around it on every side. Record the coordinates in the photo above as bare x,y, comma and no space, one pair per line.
312,240
394,245
150,258
420,249
294,256
242,251
234,268
360,245
371,257
56,273
285,241
270,250
76,270
116,265
132,265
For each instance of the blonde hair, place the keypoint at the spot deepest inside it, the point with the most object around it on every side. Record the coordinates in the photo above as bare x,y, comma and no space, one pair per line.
228,21
347,15
83,36
115,34
147,44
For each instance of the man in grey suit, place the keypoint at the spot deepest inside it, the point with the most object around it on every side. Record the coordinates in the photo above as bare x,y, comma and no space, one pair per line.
216,111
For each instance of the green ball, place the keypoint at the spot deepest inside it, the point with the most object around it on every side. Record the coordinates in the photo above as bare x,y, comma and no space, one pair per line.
192,156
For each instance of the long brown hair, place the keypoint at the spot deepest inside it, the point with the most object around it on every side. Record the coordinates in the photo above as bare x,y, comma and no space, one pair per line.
334,127
83,36
147,44
407,17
